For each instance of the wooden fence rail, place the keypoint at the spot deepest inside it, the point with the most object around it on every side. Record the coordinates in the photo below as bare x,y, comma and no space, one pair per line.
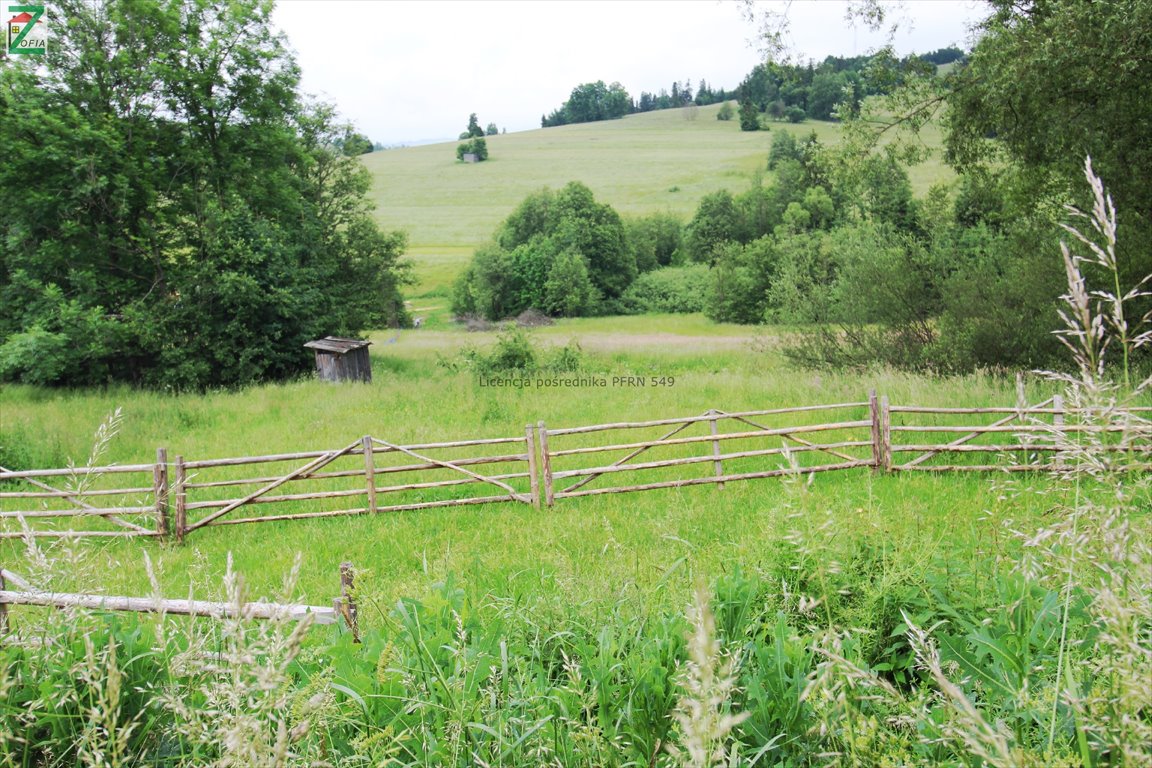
173,498
343,606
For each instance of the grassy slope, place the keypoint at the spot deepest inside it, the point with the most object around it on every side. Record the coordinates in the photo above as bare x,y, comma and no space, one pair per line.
640,164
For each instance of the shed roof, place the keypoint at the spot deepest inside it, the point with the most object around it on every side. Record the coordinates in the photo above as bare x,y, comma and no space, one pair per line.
336,344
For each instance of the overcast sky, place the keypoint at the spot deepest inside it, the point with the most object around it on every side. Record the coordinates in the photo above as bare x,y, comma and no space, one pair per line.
412,70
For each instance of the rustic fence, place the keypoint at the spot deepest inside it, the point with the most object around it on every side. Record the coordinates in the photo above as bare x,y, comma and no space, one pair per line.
343,607
371,476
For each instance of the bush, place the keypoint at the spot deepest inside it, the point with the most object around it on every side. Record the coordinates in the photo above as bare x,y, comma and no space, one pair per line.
655,240
560,252
726,112
671,289
515,352
477,146
718,220
737,288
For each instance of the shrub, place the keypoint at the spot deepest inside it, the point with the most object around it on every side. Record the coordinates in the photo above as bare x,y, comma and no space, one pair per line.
560,252
737,288
654,240
671,289
477,146
726,112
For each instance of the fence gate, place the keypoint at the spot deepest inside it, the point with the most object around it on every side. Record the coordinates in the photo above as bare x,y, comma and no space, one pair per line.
419,476
86,502
726,447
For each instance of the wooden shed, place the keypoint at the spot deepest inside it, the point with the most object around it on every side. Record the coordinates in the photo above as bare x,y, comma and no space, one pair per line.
342,359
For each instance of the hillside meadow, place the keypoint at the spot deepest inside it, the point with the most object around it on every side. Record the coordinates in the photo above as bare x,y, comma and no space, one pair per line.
644,163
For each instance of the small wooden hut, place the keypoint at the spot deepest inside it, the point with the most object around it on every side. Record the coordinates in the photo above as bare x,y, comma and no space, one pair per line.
342,359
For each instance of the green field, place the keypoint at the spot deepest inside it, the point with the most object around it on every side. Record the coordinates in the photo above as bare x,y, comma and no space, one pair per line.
516,636
643,163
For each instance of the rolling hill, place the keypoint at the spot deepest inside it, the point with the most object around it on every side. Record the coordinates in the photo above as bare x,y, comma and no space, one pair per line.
643,163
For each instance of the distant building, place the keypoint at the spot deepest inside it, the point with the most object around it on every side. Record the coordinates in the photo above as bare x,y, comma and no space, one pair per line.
342,359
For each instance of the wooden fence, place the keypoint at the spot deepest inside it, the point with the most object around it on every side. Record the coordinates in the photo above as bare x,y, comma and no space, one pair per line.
371,476
342,607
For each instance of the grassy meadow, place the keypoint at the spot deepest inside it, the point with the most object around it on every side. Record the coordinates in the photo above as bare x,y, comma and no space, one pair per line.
853,619
415,399
505,634
644,163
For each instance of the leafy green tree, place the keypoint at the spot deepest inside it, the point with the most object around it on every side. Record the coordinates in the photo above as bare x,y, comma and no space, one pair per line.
717,221
353,144
655,240
737,286
491,130
725,112
1046,84
474,129
826,92
568,290
477,146
1054,81
194,221
784,147
749,116
515,271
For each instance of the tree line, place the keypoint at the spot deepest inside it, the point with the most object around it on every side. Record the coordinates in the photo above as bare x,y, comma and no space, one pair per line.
781,91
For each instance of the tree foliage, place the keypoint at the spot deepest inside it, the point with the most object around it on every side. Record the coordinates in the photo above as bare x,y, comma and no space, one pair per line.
172,212
532,261
591,102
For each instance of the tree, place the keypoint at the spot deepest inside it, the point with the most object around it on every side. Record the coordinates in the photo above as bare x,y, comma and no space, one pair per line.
725,113
568,291
1053,81
826,92
784,147
353,144
717,221
749,116
590,102
474,129
491,130
219,225
477,146
520,269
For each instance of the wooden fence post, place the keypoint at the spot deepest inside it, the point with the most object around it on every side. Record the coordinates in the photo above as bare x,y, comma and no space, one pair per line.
533,472
346,603
160,491
1058,426
885,434
717,465
877,439
546,461
369,473
181,499
3,608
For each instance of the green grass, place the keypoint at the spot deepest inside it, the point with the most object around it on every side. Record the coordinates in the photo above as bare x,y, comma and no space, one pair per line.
571,617
638,536
640,164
